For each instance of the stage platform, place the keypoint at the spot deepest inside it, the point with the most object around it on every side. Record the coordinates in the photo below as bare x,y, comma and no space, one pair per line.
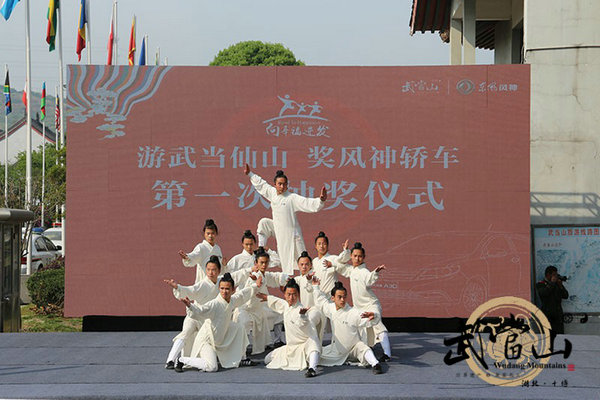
130,365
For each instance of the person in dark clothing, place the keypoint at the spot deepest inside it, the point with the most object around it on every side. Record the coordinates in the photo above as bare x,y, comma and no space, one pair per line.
551,291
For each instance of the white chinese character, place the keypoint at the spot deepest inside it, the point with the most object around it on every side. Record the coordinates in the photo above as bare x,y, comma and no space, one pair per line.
339,191
169,194
181,156
212,157
444,156
318,155
383,157
512,87
274,159
409,158
352,156
431,186
248,192
240,157
483,86
304,190
387,199
150,157
322,130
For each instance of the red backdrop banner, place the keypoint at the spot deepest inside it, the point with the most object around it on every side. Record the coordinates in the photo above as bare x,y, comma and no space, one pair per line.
428,167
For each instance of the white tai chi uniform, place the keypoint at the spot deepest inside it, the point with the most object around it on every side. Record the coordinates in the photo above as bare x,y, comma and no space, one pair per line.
200,256
254,315
246,260
201,292
363,298
220,340
347,326
314,313
286,227
302,340
328,276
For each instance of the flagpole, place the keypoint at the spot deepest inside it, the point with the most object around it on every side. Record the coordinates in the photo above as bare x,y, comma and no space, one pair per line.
166,60
43,166
88,34
6,148
28,150
115,39
56,129
157,58
60,77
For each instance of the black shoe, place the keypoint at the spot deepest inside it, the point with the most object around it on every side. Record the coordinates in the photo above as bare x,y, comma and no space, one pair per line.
384,358
248,363
377,369
310,373
170,365
178,366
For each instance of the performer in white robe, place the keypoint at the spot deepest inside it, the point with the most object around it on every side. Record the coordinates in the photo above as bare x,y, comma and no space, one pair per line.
220,340
284,206
202,252
326,265
347,325
303,347
255,316
305,279
363,298
246,258
201,292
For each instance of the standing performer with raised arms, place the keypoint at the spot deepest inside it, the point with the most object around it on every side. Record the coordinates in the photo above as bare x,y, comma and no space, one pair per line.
202,252
363,298
326,265
284,206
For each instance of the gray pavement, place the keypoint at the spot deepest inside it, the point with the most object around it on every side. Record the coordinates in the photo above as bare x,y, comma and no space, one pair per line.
130,365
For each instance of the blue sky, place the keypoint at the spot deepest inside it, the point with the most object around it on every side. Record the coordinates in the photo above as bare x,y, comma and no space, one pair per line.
191,32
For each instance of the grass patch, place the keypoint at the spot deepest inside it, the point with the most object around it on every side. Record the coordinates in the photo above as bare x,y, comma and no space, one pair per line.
32,322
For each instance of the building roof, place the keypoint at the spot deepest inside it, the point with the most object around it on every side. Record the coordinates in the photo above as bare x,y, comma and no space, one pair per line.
36,125
430,15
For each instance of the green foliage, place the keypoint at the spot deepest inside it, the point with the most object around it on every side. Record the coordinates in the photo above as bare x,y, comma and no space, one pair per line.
255,52
34,321
47,290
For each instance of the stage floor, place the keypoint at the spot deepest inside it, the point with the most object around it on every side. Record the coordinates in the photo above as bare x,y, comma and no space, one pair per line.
131,365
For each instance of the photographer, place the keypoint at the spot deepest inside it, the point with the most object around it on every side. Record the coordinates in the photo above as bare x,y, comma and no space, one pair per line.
551,292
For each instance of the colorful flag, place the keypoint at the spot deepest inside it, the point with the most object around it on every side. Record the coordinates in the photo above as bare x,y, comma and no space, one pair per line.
57,115
7,8
143,53
24,98
7,102
51,31
81,29
111,40
132,43
43,103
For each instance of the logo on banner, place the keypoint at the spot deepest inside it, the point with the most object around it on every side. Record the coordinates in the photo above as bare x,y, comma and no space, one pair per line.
298,118
507,341
465,86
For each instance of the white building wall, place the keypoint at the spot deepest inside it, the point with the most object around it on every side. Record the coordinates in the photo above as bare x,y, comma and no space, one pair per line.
17,142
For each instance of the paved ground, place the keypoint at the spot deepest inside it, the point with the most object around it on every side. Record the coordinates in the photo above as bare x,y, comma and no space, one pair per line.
131,365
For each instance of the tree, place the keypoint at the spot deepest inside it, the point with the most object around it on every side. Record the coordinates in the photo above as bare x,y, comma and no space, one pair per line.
54,187
254,52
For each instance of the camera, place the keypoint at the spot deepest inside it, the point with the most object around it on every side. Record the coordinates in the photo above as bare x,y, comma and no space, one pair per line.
562,278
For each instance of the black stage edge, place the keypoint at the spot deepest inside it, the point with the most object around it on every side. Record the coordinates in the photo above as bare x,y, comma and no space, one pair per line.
107,323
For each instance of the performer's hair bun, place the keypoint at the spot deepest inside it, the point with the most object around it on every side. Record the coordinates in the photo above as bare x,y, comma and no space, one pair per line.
279,173
305,255
248,235
321,234
214,260
260,252
292,284
338,286
227,278
358,246
210,224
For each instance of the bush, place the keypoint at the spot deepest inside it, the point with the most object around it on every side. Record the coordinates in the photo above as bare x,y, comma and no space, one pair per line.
47,290
57,263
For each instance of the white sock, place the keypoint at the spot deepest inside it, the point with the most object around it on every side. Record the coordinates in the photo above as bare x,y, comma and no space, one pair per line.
385,343
194,362
370,358
176,349
262,239
313,360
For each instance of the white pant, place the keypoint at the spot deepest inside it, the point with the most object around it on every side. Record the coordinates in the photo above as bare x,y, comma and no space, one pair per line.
207,361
